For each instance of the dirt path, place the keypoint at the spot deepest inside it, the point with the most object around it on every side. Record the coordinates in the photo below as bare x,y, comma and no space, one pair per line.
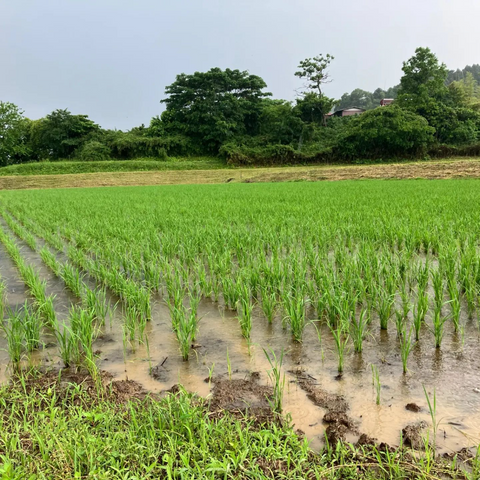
464,168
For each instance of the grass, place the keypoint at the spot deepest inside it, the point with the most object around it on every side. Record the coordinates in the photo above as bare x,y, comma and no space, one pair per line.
205,170
136,165
79,431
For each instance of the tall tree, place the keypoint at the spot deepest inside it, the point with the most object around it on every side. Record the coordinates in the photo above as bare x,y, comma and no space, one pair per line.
423,77
315,104
13,133
423,90
314,72
212,107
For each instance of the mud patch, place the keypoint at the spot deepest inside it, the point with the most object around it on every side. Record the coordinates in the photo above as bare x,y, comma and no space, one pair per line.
412,435
412,407
321,398
339,423
117,391
242,397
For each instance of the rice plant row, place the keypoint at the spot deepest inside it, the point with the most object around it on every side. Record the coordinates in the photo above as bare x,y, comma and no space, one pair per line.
354,256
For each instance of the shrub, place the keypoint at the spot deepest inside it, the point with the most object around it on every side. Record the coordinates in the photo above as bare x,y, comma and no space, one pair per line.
270,155
128,145
94,150
386,132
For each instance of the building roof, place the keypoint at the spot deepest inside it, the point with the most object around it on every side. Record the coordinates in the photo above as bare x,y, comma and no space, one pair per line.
349,108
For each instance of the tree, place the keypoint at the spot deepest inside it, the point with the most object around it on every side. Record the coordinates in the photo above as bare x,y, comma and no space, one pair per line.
315,105
13,134
423,91
423,78
60,133
212,107
314,71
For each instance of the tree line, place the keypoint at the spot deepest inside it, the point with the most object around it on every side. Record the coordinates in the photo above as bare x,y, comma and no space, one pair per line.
230,113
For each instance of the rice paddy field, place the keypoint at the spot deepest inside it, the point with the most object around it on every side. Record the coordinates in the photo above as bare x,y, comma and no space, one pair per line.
346,311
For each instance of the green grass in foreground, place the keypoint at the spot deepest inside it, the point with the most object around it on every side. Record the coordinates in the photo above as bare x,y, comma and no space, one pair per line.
49,430
140,164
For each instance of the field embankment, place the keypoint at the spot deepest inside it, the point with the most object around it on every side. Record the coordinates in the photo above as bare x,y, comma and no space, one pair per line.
442,169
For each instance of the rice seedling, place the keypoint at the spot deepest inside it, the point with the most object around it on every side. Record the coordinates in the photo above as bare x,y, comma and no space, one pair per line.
96,302
385,305
295,304
67,343
245,309
32,324
130,327
419,312
210,372
14,331
47,311
358,330
399,322
73,279
184,324
277,378
269,303
50,260
432,408
341,337
82,326
438,326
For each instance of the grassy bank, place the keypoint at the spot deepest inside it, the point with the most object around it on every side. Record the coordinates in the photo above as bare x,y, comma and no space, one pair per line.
73,429
141,164
207,171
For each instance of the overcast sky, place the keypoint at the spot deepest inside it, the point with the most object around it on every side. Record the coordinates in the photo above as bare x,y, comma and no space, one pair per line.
111,59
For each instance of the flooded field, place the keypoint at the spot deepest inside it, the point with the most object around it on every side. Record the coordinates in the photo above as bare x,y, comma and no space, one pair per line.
225,276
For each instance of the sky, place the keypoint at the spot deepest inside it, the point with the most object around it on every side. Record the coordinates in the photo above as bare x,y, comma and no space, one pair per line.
111,59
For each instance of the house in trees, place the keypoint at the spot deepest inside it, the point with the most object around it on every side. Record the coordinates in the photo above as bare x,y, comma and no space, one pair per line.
386,101
348,112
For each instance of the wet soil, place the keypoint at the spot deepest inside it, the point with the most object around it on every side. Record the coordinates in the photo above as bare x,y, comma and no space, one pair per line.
116,391
413,435
242,397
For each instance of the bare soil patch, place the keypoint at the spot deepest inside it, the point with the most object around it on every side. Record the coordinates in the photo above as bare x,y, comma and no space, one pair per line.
117,391
242,397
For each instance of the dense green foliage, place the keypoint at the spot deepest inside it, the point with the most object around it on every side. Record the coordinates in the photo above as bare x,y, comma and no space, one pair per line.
389,132
13,129
229,113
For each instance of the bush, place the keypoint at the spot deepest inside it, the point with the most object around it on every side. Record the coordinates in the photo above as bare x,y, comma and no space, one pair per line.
270,155
94,150
386,132
126,146
445,151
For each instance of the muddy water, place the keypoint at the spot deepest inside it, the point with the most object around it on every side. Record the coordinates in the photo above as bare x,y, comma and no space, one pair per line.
453,371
